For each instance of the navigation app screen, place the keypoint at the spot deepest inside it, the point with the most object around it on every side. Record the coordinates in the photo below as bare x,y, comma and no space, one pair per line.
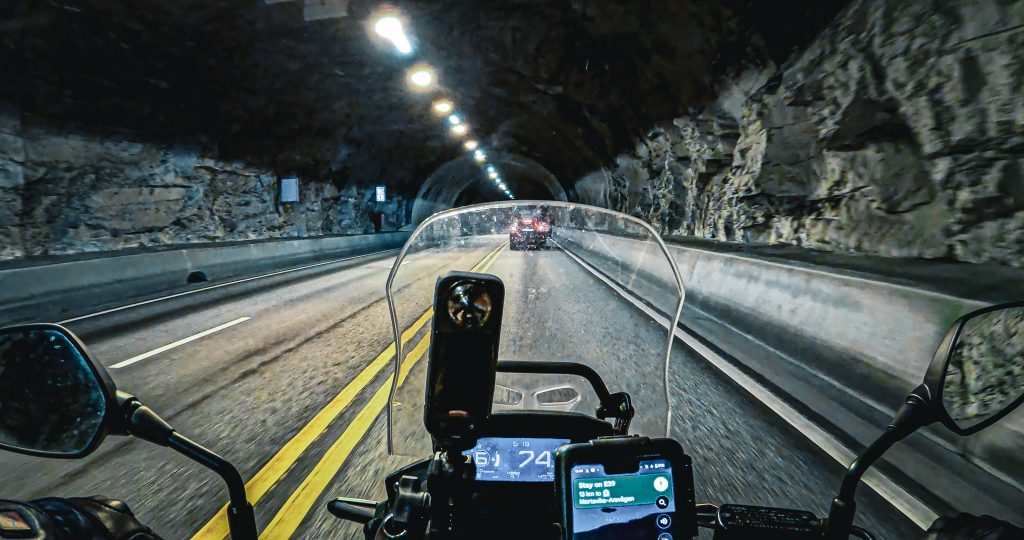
515,459
637,505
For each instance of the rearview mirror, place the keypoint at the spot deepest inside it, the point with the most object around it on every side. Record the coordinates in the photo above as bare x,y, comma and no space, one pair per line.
978,373
976,377
54,400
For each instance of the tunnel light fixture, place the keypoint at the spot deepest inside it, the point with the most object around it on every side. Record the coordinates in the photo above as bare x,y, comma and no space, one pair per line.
459,130
390,28
480,156
421,78
471,145
493,175
454,120
443,106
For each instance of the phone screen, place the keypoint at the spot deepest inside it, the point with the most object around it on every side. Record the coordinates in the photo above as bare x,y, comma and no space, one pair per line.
639,505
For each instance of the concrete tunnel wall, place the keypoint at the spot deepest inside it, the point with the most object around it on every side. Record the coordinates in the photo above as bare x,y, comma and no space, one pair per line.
442,188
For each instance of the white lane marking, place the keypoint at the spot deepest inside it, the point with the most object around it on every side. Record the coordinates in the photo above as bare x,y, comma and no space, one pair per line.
178,343
236,282
899,498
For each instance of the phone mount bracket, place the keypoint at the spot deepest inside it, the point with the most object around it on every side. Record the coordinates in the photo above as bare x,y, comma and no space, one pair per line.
410,515
619,406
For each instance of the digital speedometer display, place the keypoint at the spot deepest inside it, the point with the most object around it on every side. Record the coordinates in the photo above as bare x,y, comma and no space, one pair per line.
501,459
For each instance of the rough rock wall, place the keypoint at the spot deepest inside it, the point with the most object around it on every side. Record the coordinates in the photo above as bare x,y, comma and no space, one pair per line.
899,131
62,193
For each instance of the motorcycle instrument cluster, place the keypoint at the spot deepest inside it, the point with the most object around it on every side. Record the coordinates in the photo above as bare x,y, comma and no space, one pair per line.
521,459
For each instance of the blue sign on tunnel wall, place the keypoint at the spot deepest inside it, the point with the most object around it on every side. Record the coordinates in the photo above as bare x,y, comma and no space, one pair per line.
382,193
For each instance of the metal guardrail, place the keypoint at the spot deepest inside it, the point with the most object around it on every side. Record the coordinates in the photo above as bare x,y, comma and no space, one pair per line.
44,291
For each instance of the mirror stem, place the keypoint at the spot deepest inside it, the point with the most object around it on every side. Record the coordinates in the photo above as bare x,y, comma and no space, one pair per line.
241,518
145,424
915,413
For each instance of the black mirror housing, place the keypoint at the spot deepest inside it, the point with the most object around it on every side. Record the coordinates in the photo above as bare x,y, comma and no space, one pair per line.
13,381
935,381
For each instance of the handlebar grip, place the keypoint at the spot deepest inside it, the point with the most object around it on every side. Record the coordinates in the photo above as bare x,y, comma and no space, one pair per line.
348,512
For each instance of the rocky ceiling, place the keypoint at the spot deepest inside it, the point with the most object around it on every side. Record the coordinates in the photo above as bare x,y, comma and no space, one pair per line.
565,83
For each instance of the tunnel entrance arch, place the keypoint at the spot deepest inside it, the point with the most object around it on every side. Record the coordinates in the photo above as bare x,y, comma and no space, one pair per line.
462,181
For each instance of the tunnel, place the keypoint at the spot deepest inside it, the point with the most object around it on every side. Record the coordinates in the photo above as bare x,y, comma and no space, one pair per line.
218,208
459,183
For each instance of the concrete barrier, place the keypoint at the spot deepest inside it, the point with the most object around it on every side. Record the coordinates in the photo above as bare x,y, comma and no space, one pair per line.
847,345
44,291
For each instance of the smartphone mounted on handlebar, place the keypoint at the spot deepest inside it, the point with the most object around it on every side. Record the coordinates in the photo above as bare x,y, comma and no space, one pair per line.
625,487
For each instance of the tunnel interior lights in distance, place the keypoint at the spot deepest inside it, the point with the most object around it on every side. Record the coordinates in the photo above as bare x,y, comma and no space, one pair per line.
421,78
443,106
390,28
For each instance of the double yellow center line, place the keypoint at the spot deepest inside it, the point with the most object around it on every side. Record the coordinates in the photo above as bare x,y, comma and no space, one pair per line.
287,520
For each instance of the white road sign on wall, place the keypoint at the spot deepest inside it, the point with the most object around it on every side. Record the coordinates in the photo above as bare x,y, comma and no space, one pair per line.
290,189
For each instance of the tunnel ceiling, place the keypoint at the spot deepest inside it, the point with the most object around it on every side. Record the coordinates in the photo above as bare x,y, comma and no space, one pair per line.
568,84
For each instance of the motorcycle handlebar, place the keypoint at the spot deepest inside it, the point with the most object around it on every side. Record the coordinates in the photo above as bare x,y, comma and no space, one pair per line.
743,521
348,512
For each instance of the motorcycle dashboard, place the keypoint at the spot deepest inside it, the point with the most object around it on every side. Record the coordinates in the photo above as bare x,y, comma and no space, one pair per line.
520,446
515,459
519,426
531,492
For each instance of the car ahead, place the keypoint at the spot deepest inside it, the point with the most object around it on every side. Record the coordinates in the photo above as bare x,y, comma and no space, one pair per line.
529,232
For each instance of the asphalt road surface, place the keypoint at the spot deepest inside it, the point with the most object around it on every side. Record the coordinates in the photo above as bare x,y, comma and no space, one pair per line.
289,382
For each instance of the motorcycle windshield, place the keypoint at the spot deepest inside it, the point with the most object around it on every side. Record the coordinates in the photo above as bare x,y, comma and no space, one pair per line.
582,284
